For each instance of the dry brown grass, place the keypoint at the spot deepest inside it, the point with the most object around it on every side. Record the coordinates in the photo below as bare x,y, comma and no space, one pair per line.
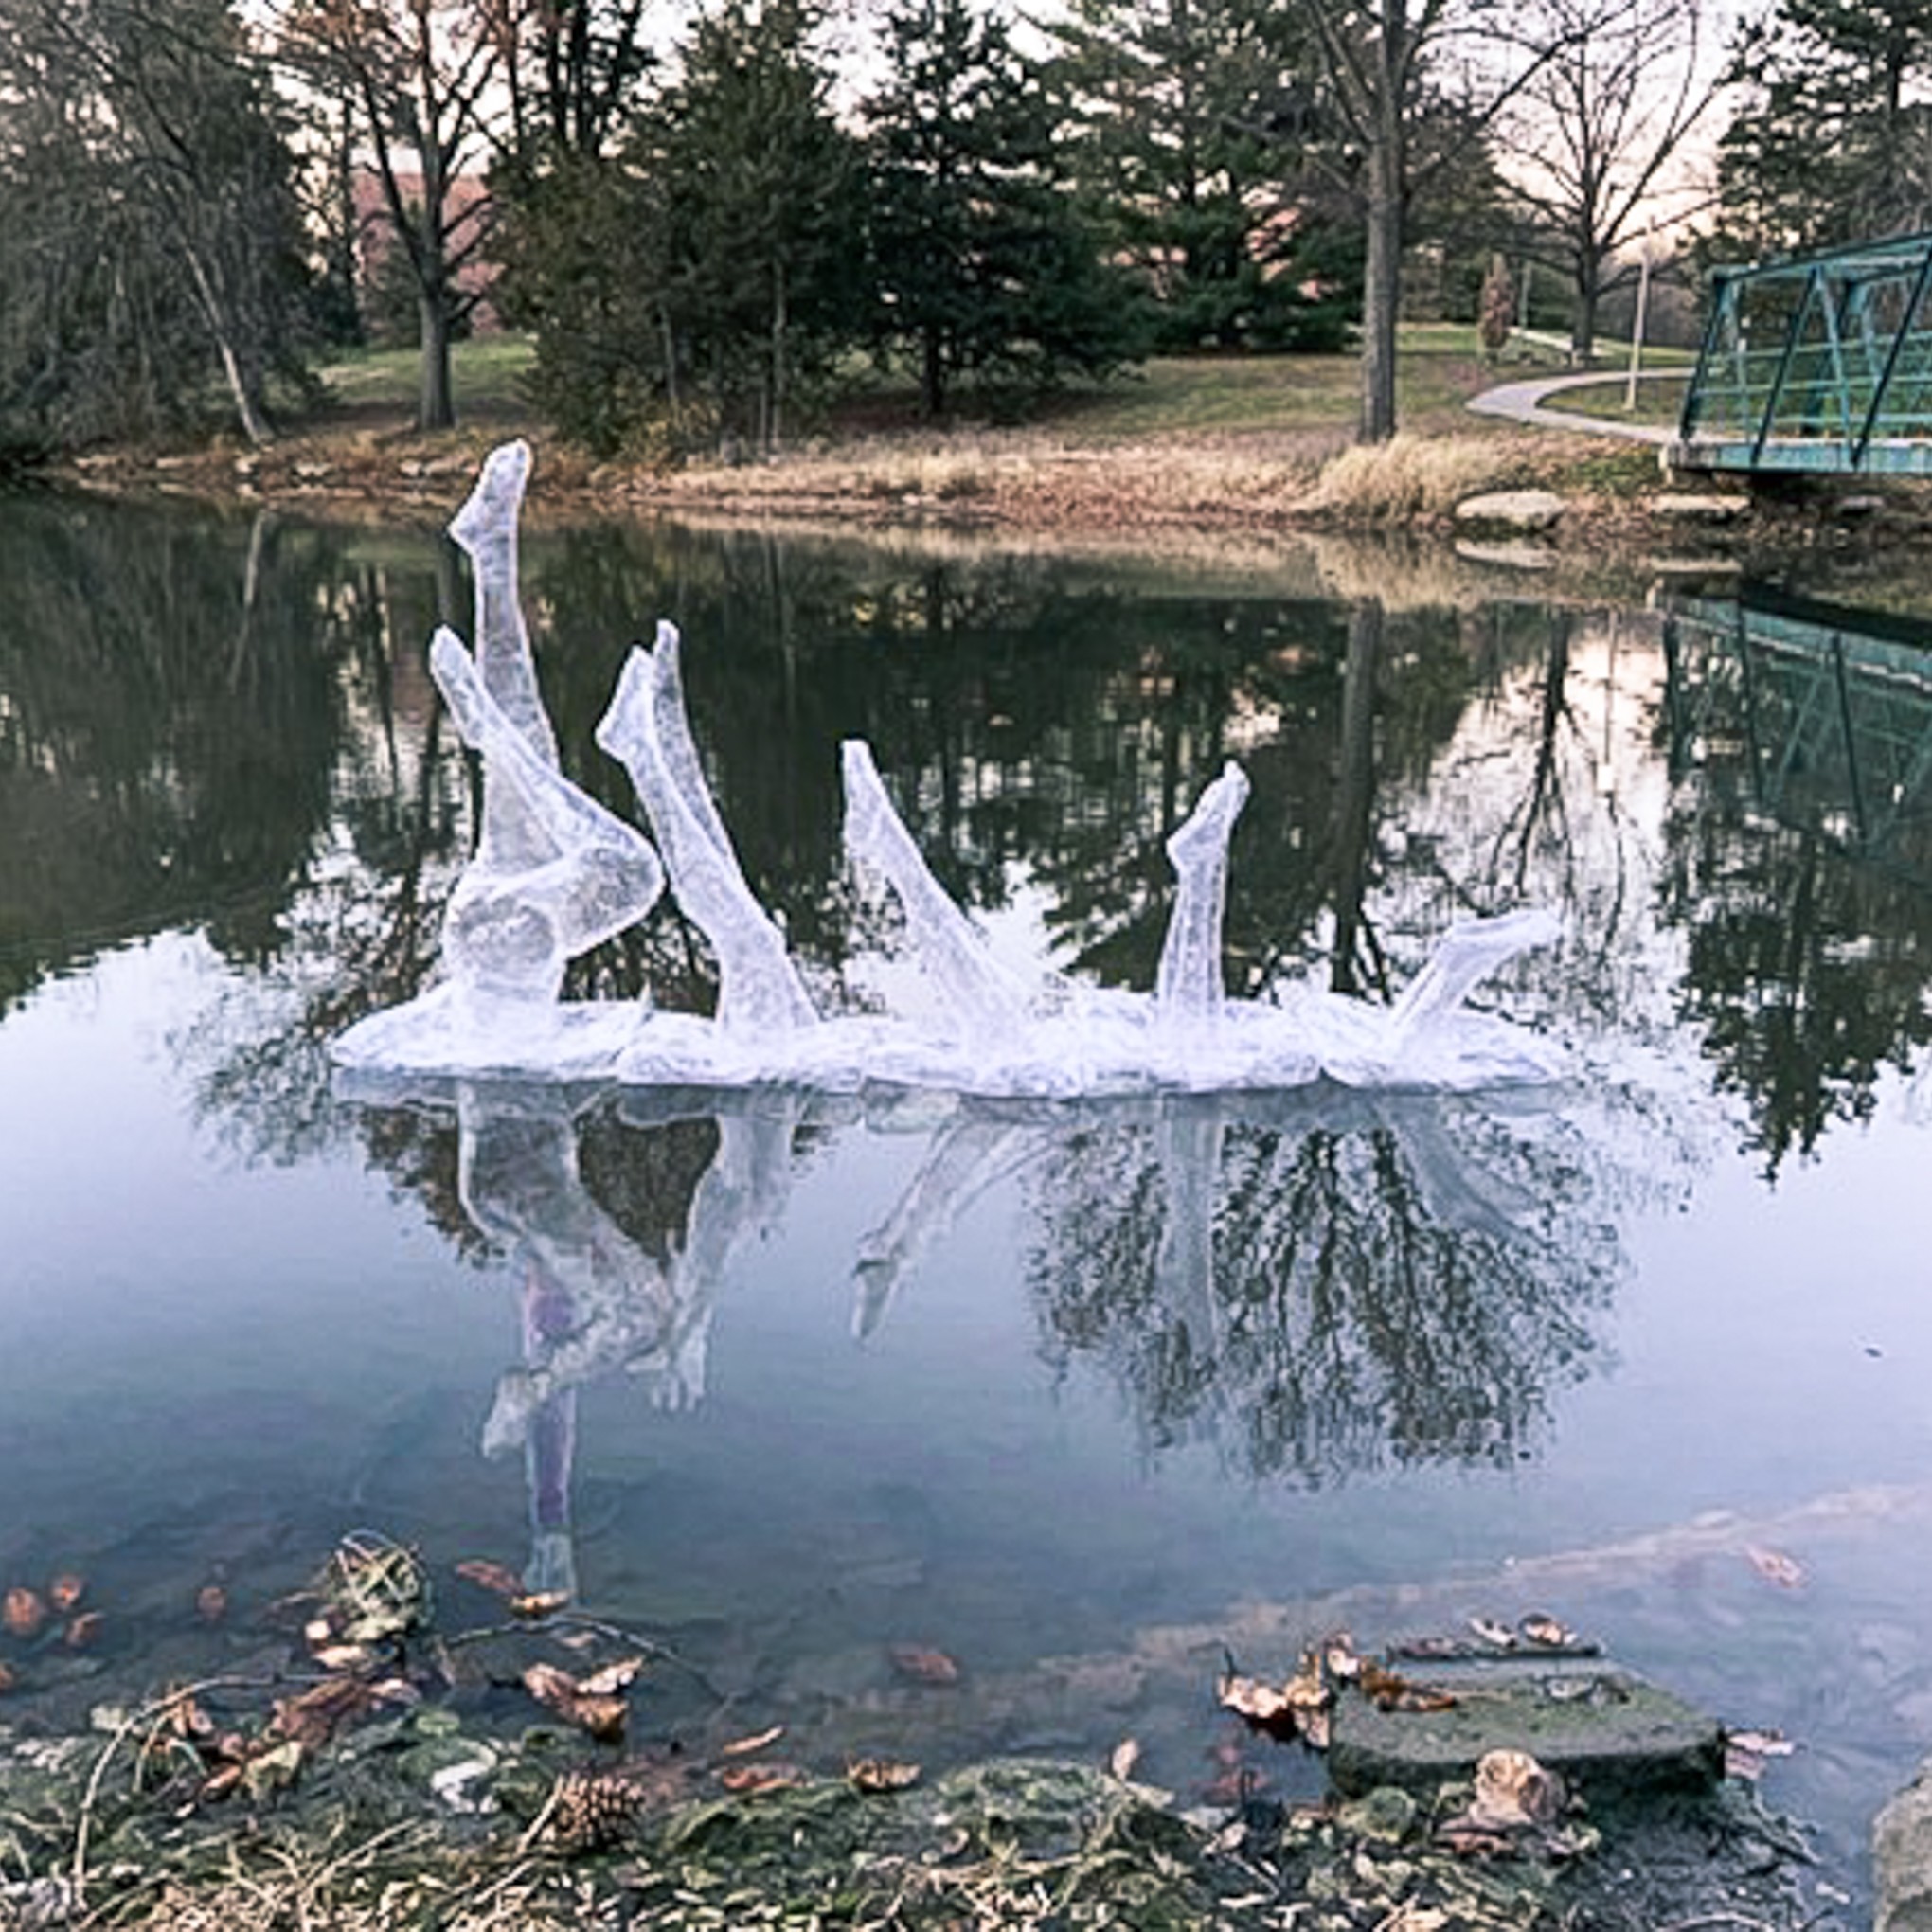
1410,476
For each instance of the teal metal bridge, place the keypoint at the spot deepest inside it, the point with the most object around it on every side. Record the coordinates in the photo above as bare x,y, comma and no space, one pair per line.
1826,713
1822,363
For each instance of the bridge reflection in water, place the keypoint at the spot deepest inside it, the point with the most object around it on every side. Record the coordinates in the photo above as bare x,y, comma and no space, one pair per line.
1827,710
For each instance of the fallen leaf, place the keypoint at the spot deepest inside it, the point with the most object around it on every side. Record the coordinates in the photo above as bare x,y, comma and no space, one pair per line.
1746,1752
1498,1634
83,1631
65,1592
1468,1841
211,1602
925,1666
1389,1690
747,1780
8,1680
1514,1790
23,1612
1775,1567
494,1577
1126,1755
342,1657
742,1747
602,1714
1297,1709
539,1604
1546,1633
612,1680
604,1718
1340,1657
185,1719
313,1717
272,1770
222,1781
881,1774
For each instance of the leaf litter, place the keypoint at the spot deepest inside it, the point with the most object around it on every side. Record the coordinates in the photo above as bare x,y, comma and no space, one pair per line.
250,1802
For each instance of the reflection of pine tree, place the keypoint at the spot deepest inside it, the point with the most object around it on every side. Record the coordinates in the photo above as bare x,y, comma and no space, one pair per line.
1376,1294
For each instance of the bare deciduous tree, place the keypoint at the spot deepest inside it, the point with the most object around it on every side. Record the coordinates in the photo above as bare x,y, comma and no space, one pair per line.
1595,133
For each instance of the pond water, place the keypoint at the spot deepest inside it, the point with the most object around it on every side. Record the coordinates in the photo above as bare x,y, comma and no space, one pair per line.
1076,1395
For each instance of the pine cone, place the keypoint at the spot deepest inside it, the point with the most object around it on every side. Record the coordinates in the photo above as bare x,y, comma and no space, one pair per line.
592,1811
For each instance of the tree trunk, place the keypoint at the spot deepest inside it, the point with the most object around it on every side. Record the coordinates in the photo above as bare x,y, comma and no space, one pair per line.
436,404
240,387
1382,280
932,377
1583,328
1355,798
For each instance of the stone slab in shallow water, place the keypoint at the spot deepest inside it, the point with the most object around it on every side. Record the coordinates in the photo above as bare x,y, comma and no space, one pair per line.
1605,1728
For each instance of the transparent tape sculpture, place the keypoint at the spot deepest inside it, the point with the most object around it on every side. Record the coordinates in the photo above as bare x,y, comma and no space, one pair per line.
555,873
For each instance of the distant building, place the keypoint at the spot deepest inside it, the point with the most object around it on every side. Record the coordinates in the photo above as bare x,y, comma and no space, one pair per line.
385,291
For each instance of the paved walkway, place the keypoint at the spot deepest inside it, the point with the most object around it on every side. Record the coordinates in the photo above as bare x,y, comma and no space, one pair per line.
1523,403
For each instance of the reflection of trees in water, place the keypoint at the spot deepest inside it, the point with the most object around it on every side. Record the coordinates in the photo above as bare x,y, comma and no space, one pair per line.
1797,738
1411,1284
1807,973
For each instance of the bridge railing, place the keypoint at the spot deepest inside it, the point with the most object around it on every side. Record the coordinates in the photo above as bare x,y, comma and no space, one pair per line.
1822,363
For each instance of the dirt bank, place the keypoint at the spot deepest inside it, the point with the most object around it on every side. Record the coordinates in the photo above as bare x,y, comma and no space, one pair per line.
1622,527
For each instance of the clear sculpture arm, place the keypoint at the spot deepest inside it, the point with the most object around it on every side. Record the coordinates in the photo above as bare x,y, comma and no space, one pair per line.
758,991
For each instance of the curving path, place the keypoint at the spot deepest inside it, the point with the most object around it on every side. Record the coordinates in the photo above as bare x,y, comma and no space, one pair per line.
1523,403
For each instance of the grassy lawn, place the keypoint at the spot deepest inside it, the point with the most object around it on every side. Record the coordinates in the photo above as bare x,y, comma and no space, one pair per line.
488,371
1659,400
1210,397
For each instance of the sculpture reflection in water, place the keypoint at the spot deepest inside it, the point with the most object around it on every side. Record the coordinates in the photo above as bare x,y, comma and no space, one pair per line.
555,873
1315,1284
1115,1100
599,1297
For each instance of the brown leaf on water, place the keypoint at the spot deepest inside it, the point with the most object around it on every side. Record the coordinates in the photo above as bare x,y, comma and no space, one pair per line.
1297,1709
494,1577
211,1603
83,1631
1125,1756
602,1715
742,1747
23,1612
8,1680
539,1604
604,1718
613,1680
880,1774
1775,1567
64,1593
747,1780
924,1665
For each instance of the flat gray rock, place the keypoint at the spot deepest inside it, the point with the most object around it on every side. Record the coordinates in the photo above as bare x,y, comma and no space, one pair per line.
1605,1728
1511,510
1902,1859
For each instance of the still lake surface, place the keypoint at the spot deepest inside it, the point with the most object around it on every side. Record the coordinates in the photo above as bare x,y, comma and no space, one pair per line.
1076,1395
